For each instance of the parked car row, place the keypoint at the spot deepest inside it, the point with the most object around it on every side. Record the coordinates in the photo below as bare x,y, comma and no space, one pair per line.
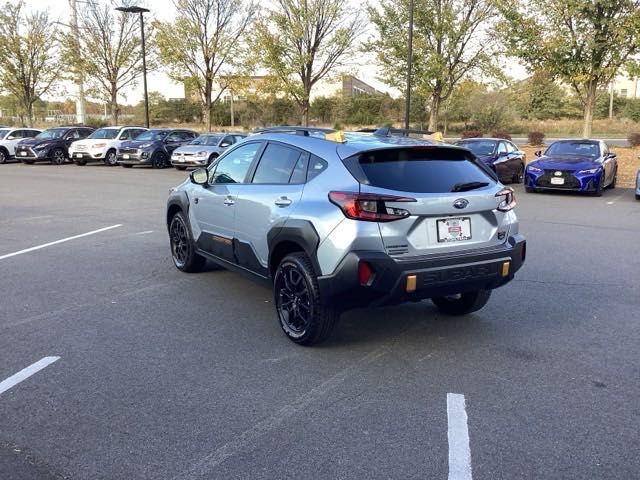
122,145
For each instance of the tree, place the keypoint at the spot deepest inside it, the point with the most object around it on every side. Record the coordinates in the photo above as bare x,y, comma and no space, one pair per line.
583,43
29,63
452,40
203,45
108,50
300,42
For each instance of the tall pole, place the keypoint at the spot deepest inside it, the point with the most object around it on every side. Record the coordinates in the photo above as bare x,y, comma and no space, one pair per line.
409,65
611,101
232,113
80,103
144,73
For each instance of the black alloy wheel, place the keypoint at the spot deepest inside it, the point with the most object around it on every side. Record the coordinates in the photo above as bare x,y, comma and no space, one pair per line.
159,160
58,157
302,316
183,252
212,158
3,156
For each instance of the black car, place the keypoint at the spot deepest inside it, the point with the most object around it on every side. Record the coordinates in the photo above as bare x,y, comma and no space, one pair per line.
52,145
153,147
500,155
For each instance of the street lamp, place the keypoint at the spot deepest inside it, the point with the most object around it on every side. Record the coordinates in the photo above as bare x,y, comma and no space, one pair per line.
141,11
409,65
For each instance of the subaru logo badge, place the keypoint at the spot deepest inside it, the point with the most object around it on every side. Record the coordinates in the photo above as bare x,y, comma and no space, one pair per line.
461,203
558,173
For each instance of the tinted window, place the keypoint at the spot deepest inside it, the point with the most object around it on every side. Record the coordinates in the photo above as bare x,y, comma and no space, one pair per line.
316,167
586,149
228,140
299,174
105,133
84,133
233,168
3,133
276,164
32,133
18,134
73,135
479,147
432,170
152,135
239,137
174,137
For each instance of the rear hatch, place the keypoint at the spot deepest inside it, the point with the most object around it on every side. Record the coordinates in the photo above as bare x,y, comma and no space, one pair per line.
449,196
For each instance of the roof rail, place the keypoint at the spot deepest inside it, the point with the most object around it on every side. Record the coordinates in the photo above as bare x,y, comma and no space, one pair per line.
399,132
304,131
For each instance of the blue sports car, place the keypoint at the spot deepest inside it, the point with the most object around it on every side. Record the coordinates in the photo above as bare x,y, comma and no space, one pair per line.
576,165
500,155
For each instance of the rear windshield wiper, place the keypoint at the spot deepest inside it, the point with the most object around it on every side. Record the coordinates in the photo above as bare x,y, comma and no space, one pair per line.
464,187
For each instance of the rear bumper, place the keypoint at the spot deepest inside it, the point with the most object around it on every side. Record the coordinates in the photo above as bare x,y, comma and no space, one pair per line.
434,275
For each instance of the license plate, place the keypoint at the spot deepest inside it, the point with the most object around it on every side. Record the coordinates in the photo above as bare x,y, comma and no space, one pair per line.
454,229
557,181
78,155
125,156
24,154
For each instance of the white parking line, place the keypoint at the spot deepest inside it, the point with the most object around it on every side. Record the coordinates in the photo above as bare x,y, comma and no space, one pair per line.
458,434
13,380
38,247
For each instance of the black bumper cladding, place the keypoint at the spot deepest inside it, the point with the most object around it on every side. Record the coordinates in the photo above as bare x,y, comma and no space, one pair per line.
433,275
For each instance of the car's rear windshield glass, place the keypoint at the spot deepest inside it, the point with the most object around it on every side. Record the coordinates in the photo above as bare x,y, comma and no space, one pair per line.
420,170
105,133
3,133
480,147
152,135
583,149
51,133
206,140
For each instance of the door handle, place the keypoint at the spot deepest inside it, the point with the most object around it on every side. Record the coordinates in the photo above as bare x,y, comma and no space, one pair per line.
229,201
283,202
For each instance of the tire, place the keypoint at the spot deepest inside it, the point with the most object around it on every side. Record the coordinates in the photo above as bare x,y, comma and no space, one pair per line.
4,155
302,316
463,303
519,176
183,251
57,158
181,168
81,163
111,158
598,191
615,179
212,158
159,160
126,165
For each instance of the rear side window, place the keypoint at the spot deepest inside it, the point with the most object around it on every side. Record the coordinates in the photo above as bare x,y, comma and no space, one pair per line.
276,164
420,170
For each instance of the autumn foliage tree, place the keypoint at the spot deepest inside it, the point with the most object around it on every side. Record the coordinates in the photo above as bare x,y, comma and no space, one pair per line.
582,43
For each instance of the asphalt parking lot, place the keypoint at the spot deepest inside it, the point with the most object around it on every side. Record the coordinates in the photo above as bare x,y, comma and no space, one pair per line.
150,373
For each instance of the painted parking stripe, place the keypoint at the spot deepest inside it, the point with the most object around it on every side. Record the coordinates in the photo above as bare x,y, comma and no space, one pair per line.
458,434
38,247
13,380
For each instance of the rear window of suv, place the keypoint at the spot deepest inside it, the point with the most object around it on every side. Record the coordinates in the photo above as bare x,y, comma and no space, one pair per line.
420,170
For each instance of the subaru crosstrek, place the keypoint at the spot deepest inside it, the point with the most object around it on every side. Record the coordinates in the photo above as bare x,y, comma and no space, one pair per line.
357,221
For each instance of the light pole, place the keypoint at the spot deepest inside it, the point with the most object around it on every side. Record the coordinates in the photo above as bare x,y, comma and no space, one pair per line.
409,65
141,11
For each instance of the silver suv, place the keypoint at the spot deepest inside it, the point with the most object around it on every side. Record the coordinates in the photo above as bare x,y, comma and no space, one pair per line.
339,221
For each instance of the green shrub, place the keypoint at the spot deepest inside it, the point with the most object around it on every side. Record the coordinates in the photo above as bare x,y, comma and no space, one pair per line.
501,134
472,134
634,139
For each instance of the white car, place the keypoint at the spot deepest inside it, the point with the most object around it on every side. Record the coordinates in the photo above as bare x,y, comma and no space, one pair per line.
102,145
9,138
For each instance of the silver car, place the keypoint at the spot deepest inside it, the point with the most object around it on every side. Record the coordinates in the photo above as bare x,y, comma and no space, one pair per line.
335,222
203,150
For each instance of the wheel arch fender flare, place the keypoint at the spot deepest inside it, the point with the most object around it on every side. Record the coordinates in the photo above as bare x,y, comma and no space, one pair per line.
178,201
299,232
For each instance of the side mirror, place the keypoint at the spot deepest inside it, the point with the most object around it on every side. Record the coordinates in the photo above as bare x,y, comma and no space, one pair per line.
611,155
225,144
503,154
538,153
200,176
11,137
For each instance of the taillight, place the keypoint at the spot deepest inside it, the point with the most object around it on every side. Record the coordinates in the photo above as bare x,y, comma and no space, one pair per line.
369,207
508,199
